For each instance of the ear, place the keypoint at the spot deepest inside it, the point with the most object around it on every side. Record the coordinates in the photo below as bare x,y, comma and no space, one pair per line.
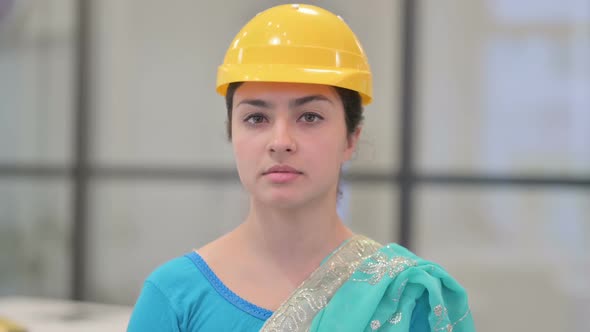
352,142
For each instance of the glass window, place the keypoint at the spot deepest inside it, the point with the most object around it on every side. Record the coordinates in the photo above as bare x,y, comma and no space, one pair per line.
371,210
35,227
503,87
519,253
36,90
134,226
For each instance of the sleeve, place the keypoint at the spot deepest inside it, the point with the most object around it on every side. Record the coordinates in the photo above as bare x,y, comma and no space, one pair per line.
153,312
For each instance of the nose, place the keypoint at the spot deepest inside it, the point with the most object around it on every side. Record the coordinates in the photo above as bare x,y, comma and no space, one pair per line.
282,139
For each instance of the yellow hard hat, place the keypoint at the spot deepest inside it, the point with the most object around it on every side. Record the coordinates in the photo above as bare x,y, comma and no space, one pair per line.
298,44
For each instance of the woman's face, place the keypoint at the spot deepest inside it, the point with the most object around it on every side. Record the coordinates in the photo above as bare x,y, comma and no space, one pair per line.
289,142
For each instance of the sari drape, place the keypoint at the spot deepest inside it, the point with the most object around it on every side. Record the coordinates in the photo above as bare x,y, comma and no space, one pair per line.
364,286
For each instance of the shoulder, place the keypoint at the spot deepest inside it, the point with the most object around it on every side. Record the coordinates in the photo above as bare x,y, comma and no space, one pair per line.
437,298
179,266
401,254
171,297
177,275
373,251
394,249
160,305
178,283
183,294
401,265
400,259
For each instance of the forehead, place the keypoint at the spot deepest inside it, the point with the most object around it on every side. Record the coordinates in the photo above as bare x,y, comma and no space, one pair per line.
279,91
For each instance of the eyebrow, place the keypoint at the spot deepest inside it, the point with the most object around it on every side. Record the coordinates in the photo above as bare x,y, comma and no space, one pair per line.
308,99
255,102
292,104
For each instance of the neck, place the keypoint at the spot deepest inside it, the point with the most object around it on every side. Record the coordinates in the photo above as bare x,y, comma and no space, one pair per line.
300,236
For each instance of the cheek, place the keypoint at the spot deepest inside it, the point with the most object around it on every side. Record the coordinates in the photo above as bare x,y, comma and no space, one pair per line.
246,150
328,152
240,150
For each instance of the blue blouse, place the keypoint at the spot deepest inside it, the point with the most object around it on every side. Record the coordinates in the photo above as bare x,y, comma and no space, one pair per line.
185,295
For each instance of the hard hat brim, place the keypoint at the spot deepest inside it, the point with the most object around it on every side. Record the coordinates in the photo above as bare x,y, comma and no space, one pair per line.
345,78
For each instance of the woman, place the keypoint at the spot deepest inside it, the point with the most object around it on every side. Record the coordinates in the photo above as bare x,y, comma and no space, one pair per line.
295,79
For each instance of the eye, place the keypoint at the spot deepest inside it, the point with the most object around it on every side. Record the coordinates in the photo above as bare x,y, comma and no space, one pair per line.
311,117
255,118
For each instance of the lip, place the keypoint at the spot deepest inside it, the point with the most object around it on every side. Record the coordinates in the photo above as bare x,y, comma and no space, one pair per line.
280,174
281,169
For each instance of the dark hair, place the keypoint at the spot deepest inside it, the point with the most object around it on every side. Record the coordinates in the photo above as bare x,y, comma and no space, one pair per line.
351,100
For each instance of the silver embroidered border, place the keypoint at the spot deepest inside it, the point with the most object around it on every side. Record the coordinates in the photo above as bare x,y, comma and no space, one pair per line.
297,313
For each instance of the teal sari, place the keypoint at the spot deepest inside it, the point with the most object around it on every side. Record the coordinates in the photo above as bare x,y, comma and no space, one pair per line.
364,286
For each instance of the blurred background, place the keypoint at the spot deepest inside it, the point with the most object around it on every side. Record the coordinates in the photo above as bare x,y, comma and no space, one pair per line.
475,152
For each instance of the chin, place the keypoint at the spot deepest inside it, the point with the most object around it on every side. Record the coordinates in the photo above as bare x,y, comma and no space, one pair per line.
284,198
283,201
290,199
